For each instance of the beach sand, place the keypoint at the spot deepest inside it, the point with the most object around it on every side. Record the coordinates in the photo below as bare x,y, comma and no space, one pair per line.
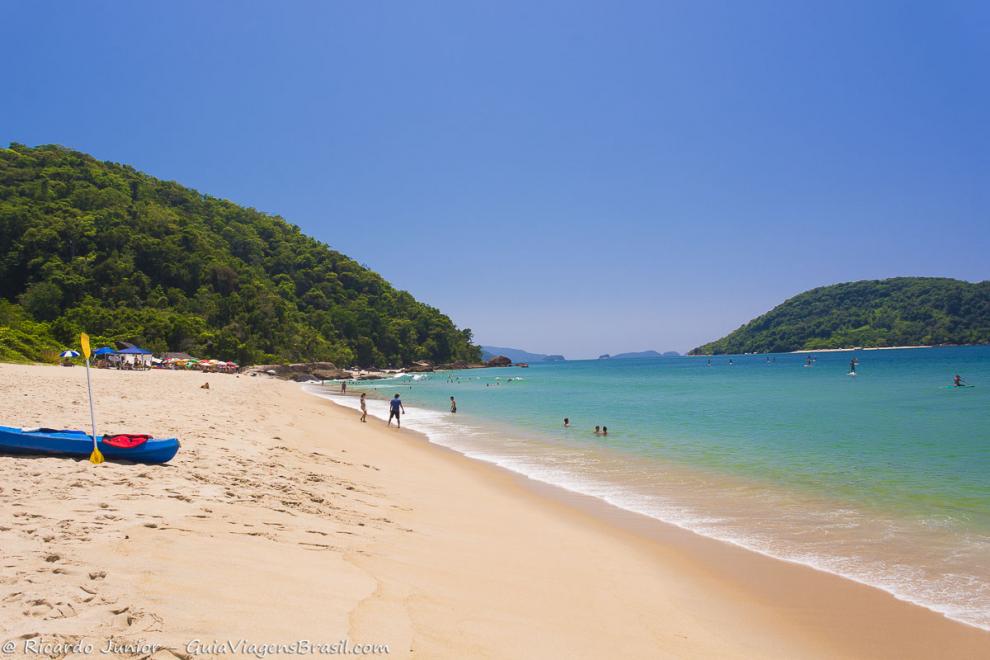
284,518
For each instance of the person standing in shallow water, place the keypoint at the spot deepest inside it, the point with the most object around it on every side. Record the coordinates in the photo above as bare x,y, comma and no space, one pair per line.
395,408
567,423
364,408
453,405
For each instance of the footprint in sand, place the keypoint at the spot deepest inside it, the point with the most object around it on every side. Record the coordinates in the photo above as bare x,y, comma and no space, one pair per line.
38,608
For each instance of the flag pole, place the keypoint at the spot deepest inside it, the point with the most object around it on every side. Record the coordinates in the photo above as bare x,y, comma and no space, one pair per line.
96,457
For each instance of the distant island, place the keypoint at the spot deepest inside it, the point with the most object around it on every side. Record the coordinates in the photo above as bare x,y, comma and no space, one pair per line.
638,354
517,355
101,247
902,311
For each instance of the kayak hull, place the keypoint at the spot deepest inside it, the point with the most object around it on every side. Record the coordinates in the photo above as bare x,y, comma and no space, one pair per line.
78,443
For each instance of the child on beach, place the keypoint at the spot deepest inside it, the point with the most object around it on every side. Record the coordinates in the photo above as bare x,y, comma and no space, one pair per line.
364,408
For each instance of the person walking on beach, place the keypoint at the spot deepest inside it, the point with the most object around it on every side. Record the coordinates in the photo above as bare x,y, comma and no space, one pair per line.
364,408
394,409
453,405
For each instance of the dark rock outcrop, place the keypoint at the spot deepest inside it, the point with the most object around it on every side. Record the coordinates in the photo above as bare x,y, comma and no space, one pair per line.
419,367
302,371
499,361
460,364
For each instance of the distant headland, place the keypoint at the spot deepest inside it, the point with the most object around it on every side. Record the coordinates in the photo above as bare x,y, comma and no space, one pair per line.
517,355
902,311
638,354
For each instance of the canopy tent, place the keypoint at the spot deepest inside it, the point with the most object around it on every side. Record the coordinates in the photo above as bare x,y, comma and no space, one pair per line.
134,356
134,350
105,350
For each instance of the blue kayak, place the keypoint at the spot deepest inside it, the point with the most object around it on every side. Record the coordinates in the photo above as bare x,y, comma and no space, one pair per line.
79,443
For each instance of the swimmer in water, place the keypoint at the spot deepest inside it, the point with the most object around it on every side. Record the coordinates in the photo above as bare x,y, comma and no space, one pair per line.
567,423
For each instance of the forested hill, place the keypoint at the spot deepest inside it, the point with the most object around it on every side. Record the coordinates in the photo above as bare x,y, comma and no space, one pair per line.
101,247
903,311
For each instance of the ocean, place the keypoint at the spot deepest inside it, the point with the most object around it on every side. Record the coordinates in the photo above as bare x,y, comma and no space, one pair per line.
882,477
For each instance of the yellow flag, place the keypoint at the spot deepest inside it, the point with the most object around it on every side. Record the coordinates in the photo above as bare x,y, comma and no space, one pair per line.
84,340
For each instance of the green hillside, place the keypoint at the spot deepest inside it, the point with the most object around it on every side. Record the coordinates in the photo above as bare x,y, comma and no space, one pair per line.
101,247
903,311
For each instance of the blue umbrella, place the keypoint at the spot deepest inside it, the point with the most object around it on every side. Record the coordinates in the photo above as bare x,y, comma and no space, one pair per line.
69,354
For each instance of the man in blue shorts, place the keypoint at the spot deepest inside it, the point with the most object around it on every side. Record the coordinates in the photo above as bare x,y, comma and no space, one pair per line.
394,407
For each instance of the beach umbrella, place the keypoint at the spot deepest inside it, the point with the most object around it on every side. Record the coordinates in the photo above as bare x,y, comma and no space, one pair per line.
68,354
96,457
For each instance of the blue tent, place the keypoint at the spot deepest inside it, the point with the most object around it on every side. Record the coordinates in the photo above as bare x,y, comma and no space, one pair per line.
134,350
106,350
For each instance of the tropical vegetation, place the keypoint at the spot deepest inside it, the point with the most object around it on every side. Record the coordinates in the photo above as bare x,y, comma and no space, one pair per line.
902,311
101,247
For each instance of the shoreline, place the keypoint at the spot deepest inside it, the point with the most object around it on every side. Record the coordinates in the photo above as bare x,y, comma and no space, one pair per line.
607,507
860,348
374,535
837,559
778,585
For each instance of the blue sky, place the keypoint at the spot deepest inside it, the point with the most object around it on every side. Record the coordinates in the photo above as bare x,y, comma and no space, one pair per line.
564,177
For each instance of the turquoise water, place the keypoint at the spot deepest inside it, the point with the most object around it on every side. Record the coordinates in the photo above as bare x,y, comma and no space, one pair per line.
883,477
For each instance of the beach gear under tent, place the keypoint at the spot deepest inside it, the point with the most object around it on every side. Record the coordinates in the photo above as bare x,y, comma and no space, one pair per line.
136,355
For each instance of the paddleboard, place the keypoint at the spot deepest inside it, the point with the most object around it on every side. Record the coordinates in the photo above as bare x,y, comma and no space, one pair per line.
852,373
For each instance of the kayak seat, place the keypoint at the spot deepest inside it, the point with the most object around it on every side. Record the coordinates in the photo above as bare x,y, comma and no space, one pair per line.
125,440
